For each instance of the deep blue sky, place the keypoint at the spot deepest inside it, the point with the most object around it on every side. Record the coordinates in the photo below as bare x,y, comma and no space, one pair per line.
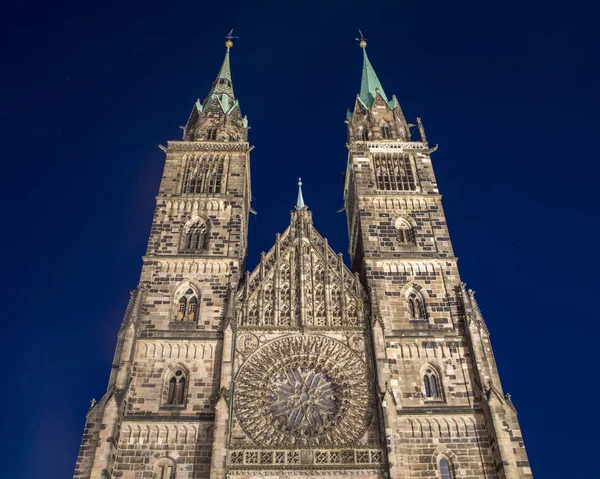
510,91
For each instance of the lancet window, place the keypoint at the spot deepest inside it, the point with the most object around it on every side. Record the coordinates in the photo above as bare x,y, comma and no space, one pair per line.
386,132
393,172
364,134
416,305
446,469
196,237
211,133
406,233
164,469
187,306
176,389
203,174
431,384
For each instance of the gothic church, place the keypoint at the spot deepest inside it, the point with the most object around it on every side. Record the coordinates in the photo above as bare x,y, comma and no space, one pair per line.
302,367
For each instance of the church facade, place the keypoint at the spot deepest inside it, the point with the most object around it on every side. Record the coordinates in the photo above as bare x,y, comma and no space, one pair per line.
303,367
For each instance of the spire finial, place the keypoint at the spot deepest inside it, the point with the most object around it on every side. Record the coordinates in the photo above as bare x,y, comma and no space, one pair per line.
300,202
229,37
362,41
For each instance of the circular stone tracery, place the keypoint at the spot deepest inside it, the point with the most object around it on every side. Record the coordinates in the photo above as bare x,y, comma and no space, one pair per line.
303,391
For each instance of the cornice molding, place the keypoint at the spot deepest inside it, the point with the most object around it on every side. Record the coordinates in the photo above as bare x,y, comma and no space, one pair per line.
242,146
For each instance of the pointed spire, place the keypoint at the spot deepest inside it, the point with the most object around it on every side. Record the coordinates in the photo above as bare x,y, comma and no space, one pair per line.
370,84
223,85
300,201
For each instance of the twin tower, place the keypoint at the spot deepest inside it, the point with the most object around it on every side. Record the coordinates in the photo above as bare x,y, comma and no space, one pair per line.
302,367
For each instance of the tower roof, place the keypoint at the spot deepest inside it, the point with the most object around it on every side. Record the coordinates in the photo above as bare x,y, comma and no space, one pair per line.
223,84
370,84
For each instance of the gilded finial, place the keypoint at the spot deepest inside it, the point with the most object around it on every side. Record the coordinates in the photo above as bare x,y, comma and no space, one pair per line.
362,41
230,37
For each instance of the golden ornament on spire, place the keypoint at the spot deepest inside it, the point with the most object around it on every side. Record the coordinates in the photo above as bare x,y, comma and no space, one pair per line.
229,37
362,40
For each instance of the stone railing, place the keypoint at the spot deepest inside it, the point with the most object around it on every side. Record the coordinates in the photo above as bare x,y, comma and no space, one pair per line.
305,457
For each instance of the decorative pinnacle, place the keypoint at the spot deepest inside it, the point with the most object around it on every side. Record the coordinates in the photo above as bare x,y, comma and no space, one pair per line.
229,37
300,202
362,41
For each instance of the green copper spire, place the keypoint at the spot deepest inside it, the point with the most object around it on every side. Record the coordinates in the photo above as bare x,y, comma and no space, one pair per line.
300,202
223,85
370,84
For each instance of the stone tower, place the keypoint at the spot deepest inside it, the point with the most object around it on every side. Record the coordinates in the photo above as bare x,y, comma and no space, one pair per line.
302,367
445,414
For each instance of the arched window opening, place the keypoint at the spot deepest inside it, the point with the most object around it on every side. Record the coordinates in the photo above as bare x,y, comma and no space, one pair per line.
416,306
393,172
365,134
269,318
187,307
182,308
352,316
446,470
211,134
406,234
386,133
253,316
165,469
195,238
203,174
176,392
431,384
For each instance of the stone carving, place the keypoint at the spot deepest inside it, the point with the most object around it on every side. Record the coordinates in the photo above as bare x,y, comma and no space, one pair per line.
303,390
357,342
246,344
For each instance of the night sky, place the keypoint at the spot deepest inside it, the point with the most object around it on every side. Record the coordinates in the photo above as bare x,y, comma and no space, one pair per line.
510,92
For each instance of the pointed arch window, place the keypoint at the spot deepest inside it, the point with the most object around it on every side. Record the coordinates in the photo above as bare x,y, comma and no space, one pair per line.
176,389
253,316
203,174
364,134
406,233
386,132
446,469
416,306
164,469
393,172
269,317
211,133
187,306
196,237
431,384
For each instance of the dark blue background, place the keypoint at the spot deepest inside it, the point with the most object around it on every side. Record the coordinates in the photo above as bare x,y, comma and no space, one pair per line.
509,90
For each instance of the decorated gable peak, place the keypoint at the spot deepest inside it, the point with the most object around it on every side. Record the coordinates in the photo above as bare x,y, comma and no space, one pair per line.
301,282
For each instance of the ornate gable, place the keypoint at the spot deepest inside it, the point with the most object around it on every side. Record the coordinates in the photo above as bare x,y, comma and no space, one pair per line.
301,282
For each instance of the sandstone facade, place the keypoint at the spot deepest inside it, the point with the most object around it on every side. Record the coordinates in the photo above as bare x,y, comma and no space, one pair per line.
302,367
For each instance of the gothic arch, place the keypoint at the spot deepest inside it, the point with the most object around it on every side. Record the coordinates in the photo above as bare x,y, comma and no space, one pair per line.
175,385
431,382
185,302
195,233
164,468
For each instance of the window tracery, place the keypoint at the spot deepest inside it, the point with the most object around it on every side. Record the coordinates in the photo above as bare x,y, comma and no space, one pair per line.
187,307
406,233
164,469
393,172
431,384
416,305
176,388
203,174
196,237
